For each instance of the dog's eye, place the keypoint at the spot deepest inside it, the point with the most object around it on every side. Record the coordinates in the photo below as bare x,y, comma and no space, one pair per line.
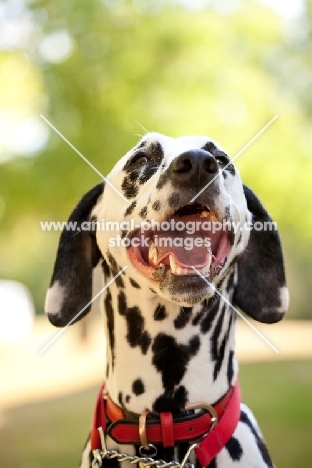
222,160
140,159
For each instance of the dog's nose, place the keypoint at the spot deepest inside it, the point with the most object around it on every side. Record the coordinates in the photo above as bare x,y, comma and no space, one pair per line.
194,167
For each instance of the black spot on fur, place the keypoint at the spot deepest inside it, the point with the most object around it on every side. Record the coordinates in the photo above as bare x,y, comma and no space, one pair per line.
143,212
199,314
128,398
230,283
219,360
122,303
136,335
227,213
112,261
171,359
174,199
216,333
130,208
163,178
142,144
105,269
194,345
148,172
183,318
110,323
210,147
153,290
210,313
156,205
138,387
157,151
218,352
129,189
234,448
133,176
230,370
119,282
160,313
173,401
260,443
134,283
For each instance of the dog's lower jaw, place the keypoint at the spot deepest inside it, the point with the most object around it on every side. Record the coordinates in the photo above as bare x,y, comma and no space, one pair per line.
164,355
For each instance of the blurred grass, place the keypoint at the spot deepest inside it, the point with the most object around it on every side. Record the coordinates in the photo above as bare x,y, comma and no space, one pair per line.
51,433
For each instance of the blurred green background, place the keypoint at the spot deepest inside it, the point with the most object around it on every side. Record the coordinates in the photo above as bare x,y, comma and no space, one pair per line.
94,69
100,70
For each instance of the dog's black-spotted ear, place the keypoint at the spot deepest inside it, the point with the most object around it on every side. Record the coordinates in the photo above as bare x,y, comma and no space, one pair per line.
70,289
261,290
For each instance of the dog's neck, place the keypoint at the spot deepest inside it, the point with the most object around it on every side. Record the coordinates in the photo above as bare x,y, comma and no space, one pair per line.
161,356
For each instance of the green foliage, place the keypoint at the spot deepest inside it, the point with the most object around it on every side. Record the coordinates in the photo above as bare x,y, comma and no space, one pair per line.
173,70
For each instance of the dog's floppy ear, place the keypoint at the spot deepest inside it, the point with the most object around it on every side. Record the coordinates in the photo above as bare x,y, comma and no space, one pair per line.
71,284
261,290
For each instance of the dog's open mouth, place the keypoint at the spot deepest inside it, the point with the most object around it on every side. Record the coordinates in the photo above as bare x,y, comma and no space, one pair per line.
191,238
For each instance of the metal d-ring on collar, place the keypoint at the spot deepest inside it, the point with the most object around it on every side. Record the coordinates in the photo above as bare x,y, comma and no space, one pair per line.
210,409
146,448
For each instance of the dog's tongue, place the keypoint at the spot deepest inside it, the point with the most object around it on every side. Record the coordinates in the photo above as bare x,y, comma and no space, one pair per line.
183,248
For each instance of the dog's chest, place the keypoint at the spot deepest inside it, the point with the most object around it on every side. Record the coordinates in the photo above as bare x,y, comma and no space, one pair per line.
157,351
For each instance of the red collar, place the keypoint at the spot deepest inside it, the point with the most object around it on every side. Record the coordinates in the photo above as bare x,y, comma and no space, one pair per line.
167,430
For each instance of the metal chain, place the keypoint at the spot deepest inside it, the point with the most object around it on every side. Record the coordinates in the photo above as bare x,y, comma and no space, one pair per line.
144,462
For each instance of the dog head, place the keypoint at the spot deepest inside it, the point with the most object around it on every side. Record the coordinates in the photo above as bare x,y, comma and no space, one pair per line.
175,212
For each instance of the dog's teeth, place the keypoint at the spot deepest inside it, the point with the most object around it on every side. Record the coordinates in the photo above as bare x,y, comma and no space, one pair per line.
173,265
205,270
152,253
176,269
179,271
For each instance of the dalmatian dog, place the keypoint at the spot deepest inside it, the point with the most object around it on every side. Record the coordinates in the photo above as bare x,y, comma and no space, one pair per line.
179,257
